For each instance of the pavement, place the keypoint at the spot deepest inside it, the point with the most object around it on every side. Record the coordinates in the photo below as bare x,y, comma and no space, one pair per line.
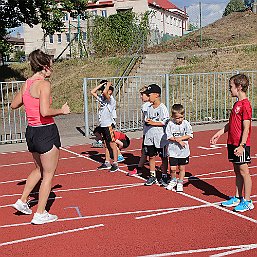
71,129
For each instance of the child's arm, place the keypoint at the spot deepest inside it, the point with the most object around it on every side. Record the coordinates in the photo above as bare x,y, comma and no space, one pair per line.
106,89
217,135
154,123
94,90
246,128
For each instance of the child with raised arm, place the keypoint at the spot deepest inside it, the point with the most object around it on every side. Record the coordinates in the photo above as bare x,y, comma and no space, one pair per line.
238,143
178,131
107,122
155,140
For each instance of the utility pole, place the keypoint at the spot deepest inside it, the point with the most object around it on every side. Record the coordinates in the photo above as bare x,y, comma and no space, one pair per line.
200,16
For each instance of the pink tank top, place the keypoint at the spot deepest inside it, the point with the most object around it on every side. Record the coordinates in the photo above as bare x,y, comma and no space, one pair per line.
32,108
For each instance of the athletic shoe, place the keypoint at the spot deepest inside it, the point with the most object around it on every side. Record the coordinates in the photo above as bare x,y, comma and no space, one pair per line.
22,207
244,206
105,165
97,144
120,158
114,168
42,218
233,201
134,172
151,181
164,181
179,187
171,184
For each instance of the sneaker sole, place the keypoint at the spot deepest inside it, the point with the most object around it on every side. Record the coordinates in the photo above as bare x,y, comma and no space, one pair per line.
103,168
45,222
244,210
22,211
230,205
150,184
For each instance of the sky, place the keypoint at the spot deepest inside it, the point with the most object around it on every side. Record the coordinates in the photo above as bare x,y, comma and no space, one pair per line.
211,10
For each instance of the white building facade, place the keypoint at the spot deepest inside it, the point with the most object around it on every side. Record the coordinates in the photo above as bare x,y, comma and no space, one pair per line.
165,20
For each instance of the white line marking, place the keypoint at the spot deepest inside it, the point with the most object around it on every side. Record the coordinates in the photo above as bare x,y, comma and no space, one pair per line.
212,147
77,154
232,176
76,189
32,201
202,250
117,188
234,251
49,235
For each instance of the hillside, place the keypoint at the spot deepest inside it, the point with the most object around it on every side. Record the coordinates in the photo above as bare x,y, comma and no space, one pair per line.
234,29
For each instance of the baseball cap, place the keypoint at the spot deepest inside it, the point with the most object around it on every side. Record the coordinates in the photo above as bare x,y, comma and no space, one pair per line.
153,88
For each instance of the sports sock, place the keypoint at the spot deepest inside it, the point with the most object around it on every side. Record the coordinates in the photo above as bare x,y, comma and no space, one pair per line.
153,173
180,181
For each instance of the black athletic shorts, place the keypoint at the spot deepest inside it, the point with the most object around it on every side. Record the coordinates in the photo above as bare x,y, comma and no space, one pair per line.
151,150
42,139
178,161
107,134
245,158
126,142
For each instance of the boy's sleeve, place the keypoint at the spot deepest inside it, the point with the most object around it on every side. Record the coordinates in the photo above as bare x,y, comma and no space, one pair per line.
189,129
247,111
169,131
164,116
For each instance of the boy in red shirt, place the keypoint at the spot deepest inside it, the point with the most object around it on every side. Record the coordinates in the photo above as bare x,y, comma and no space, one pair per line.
238,143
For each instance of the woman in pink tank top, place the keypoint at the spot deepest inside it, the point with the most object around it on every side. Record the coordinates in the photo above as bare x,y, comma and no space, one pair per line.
42,135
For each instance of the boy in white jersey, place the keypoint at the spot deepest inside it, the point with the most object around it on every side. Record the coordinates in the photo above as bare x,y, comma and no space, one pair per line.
155,140
107,115
178,131
144,107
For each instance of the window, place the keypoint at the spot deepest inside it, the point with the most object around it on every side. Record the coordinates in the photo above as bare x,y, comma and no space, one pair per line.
51,39
84,36
59,38
104,13
94,13
68,37
65,16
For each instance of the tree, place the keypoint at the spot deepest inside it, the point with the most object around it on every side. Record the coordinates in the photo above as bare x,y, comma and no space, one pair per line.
49,13
234,6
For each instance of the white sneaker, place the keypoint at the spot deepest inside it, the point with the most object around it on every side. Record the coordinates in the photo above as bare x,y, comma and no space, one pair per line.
43,218
22,207
172,184
180,187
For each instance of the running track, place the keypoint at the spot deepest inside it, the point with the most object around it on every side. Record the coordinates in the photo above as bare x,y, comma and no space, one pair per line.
110,214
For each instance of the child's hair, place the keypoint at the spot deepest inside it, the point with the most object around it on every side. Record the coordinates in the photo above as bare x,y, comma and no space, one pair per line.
142,90
177,108
240,80
39,60
104,82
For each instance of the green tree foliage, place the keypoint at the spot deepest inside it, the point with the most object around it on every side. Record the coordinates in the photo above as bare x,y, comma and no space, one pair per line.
234,6
117,33
49,13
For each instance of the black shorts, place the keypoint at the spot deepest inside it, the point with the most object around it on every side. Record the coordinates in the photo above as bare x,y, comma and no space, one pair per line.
245,158
151,150
108,134
42,139
125,142
178,161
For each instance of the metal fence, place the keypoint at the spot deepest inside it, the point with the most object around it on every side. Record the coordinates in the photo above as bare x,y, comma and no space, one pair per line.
205,97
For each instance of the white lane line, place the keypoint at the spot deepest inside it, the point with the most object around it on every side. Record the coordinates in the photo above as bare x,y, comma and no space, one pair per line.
15,152
234,251
77,154
50,235
75,189
25,163
218,172
32,201
116,188
232,176
202,250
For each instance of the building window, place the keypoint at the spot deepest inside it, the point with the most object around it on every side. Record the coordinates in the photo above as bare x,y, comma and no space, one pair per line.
66,16
94,13
59,38
51,39
84,36
68,37
104,13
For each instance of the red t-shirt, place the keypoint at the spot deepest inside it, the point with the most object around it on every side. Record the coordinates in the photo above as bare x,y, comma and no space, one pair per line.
119,135
241,111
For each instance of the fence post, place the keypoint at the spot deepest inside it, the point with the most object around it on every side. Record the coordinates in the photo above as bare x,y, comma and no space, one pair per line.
86,107
167,92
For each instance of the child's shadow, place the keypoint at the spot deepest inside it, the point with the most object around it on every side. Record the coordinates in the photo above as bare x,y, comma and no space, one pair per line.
205,187
94,155
131,160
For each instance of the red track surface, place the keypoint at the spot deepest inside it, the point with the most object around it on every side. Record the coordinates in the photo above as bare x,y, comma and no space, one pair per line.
110,214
